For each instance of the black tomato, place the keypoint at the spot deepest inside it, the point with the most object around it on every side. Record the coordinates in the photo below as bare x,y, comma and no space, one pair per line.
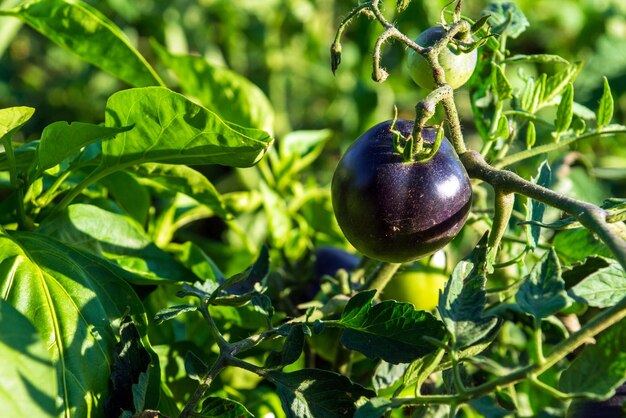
397,211
329,260
610,408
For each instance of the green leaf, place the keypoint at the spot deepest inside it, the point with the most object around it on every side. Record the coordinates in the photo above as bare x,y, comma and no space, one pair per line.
117,237
605,109
169,128
195,368
279,222
230,95
401,5
564,112
81,29
600,368
387,375
313,393
506,18
531,135
13,118
25,156
463,300
195,259
186,180
375,408
603,288
60,140
574,246
556,83
502,132
501,86
214,407
244,282
537,58
302,148
71,297
28,387
131,361
263,305
536,209
542,293
172,312
389,330
129,194
291,351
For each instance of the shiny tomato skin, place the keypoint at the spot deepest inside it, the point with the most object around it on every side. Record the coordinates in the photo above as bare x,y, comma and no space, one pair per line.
397,211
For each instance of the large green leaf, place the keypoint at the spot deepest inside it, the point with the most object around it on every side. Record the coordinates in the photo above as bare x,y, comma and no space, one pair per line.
169,128
60,140
233,97
389,330
462,303
117,237
70,297
314,393
28,385
186,180
79,28
600,368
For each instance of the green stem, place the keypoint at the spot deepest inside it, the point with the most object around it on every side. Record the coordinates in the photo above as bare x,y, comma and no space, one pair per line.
544,149
94,176
45,198
504,202
548,389
456,369
538,342
204,385
15,181
223,345
379,278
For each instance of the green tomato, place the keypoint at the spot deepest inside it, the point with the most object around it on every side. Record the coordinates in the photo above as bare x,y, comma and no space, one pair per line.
458,66
421,288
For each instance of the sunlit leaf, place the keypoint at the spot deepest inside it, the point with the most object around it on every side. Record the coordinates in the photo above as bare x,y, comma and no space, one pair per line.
169,128
83,30
28,387
70,297
228,94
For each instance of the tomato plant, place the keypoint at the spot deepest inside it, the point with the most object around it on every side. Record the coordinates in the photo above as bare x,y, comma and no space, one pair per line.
399,211
170,174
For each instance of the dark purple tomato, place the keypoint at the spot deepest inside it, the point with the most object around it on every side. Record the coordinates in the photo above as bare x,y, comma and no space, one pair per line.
397,211
610,408
329,260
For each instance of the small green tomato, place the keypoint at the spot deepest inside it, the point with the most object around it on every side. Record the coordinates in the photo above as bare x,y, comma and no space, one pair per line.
421,288
458,66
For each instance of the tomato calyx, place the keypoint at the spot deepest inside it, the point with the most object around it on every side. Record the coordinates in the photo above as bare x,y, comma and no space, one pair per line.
413,148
